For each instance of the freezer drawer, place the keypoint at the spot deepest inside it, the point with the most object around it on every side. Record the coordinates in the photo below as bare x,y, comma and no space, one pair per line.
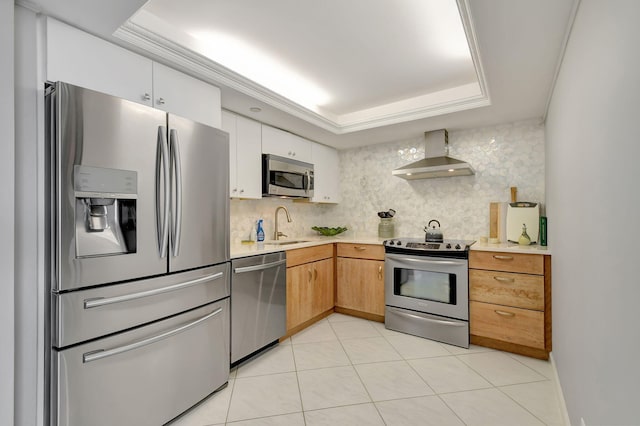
145,376
258,303
87,314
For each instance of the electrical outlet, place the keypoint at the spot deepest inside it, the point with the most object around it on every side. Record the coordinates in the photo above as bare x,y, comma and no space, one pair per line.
582,423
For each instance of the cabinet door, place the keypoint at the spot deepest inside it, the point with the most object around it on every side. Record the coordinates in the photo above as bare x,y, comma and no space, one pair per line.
323,299
285,144
360,285
229,126
78,58
186,96
326,174
249,158
299,295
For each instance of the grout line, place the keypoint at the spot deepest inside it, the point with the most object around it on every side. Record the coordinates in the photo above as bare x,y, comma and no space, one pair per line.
525,408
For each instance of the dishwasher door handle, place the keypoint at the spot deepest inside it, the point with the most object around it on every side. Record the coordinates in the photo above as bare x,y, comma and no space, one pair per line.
259,267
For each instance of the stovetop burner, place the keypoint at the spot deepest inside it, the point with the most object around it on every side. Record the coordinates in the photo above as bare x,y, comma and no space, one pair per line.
447,248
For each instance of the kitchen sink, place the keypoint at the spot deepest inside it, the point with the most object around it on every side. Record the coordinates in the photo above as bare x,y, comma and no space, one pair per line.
285,242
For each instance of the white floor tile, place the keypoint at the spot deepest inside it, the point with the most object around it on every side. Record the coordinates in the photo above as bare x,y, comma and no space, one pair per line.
385,331
457,350
372,349
263,396
278,359
362,414
211,411
411,347
337,317
295,419
500,369
489,407
354,329
539,398
541,366
331,387
424,411
309,356
286,341
448,374
318,332
392,380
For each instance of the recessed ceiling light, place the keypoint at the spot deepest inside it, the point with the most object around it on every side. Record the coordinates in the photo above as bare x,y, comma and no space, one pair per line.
255,109
450,170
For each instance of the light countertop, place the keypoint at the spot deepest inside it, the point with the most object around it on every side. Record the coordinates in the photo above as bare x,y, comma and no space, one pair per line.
245,250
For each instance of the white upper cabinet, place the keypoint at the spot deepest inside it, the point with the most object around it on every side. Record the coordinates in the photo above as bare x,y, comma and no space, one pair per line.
285,144
78,58
326,171
186,96
245,156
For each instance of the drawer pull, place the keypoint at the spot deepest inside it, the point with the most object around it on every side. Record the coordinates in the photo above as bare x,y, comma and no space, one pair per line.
502,257
360,248
505,314
504,280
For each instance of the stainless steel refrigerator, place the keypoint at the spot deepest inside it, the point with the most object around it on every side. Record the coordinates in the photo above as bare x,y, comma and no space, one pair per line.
139,260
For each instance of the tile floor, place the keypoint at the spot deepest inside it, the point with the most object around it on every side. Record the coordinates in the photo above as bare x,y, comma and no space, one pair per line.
348,371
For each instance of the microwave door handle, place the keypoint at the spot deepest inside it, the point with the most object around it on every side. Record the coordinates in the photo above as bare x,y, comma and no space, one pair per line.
177,168
308,181
162,218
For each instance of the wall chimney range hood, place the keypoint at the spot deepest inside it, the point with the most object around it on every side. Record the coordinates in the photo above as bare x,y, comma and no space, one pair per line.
437,162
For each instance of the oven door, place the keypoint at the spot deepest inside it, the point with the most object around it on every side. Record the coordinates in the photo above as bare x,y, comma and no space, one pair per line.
433,285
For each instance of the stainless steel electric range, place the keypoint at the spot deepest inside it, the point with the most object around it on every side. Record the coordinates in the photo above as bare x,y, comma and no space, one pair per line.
427,289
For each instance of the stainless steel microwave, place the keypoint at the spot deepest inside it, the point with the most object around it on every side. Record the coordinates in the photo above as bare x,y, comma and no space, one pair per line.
285,177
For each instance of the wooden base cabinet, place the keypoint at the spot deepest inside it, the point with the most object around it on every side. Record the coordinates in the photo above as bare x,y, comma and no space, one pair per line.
360,280
510,302
310,285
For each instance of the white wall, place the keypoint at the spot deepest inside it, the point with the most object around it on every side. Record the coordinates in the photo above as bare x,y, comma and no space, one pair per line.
7,212
506,155
593,199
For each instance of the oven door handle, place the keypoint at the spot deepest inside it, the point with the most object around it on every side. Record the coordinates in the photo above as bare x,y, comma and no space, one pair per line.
424,261
437,321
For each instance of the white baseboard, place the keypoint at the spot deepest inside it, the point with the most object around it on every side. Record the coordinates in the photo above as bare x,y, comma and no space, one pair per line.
563,404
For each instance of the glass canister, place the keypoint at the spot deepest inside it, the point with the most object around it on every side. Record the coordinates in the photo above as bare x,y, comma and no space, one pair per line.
386,228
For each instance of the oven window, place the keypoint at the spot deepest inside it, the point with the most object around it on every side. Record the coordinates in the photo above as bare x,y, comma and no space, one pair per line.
427,285
287,180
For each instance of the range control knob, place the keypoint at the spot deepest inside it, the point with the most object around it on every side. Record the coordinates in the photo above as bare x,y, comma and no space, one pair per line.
391,243
457,246
399,243
448,246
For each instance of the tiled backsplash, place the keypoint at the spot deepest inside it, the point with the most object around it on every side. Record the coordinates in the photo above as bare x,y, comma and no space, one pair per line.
502,156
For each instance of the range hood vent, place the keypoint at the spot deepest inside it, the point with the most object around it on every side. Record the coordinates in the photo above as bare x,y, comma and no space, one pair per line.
437,162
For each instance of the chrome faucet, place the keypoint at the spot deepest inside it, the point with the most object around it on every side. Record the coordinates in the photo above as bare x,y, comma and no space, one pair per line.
277,234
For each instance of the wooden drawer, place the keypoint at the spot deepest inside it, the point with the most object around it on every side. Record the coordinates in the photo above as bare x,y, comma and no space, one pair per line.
513,325
309,254
361,251
509,262
503,288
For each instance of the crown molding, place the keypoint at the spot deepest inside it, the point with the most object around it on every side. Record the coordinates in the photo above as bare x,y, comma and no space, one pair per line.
171,53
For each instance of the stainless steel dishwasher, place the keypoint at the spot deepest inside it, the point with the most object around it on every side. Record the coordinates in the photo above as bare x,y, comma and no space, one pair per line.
258,303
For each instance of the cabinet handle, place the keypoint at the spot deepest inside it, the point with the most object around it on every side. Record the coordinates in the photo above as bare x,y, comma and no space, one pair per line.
380,272
310,275
235,189
501,257
360,248
315,274
146,97
504,280
505,314
160,101
242,191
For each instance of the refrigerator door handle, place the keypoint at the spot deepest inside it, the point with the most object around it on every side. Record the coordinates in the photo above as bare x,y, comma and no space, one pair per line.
162,221
102,301
101,353
176,164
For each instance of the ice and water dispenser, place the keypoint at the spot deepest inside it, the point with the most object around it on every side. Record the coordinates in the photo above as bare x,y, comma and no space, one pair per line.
105,211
